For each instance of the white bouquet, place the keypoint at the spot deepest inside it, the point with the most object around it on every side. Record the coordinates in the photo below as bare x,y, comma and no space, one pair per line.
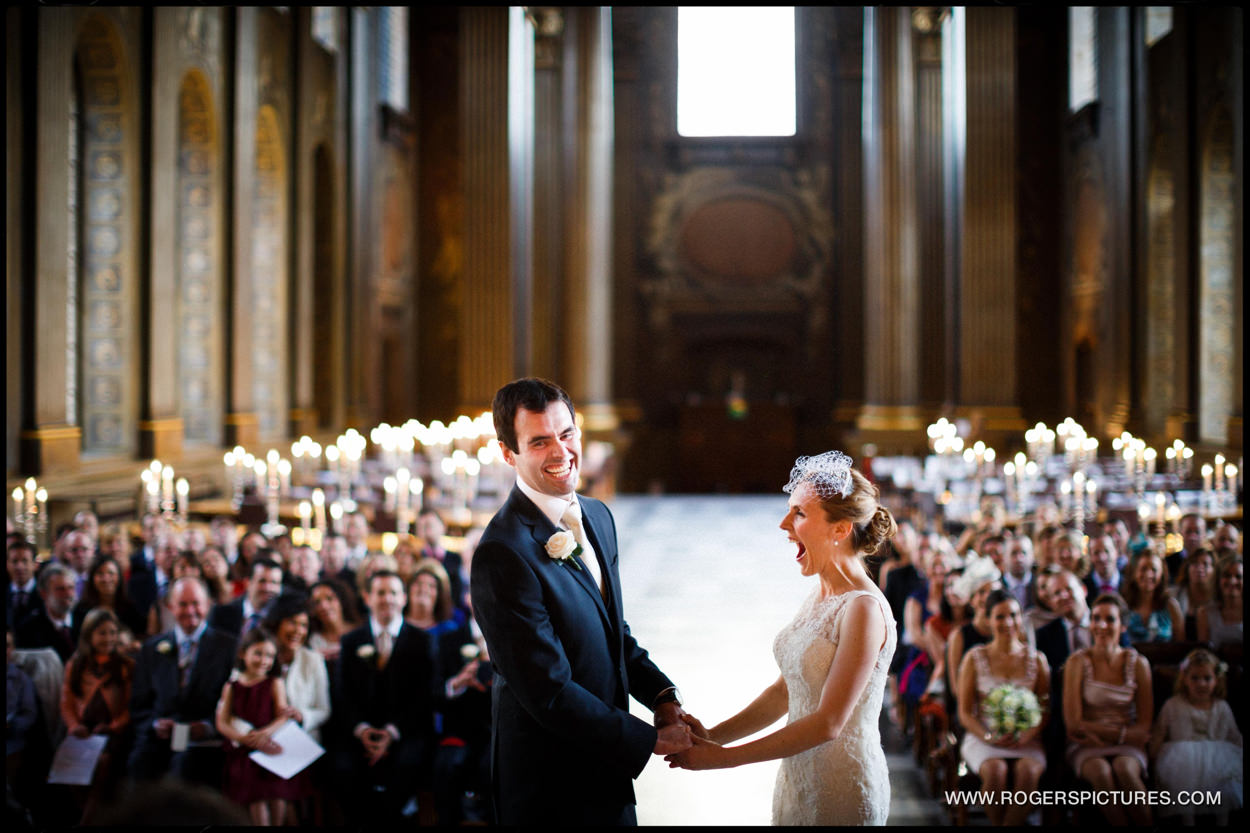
1011,710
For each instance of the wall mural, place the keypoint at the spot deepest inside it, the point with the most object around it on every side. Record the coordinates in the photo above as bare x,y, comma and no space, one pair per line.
1215,359
269,276
105,331
199,395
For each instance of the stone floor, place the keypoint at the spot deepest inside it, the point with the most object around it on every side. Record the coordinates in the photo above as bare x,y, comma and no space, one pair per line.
708,582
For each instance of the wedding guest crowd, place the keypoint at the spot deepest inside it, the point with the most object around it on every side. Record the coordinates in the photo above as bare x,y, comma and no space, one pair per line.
188,652
1102,627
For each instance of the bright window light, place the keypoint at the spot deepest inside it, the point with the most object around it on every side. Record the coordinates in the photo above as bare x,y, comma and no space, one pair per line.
735,71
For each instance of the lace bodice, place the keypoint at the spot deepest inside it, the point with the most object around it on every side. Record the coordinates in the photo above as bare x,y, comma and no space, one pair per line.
845,780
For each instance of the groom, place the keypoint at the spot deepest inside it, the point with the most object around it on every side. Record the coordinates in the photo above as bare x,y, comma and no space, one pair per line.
547,594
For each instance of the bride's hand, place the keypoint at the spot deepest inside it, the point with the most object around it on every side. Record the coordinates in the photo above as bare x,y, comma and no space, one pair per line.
704,754
696,728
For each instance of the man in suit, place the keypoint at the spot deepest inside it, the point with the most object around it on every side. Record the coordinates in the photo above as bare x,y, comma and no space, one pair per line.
239,616
356,534
22,596
1059,639
1018,576
387,680
565,662
1104,575
150,565
177,681
1193,529
53,625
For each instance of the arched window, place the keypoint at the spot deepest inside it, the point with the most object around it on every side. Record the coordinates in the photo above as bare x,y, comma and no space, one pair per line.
735,71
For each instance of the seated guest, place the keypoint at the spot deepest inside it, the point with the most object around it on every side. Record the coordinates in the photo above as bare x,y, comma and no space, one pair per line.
334,559
105,588
224,534
980,578
1107,709
215,570
356,535
1044,546
1193,529
178,678
87,521
1104,575
115,542
387,682
53,626
406,554
161,616
1018,576
23,596
250,548
1219,622
923,604
993,754
96,699
1120,534
1195,587
429,600
1068,632
302,669
303,673
333,612
431,529
1041,613
21,711
304,569
1153,616
952,615
244,613
1068,554
1226,538
148,578
462,758
76,551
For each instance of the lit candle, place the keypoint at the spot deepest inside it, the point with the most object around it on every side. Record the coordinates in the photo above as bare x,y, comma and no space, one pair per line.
167,487
1206,478
336,515
31,487
305,516
184,490
1219,472
416,488
259,468
319,509
1230,480
284,476
1150,455
388,486
1160,507
17,503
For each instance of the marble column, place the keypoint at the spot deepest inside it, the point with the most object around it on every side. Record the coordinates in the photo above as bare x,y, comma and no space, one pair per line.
985,196
587,346
889,416
496,70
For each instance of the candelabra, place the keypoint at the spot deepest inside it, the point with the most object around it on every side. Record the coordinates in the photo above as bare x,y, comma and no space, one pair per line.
30,511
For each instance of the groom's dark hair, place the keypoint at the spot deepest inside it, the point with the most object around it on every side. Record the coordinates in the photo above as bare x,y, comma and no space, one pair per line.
532,394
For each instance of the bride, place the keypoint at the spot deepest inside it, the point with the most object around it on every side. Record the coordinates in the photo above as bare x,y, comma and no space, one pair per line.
833,658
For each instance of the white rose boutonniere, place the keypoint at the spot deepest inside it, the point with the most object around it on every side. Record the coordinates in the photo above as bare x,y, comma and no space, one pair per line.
164,647
563,547
366,651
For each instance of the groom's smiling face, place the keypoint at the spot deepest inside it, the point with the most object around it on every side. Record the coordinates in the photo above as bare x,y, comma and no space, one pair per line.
549,451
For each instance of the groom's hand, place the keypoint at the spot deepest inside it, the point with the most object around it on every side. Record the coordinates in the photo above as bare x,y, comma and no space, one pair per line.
672,739
667,714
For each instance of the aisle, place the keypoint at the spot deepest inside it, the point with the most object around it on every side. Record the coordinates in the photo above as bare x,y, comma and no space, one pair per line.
708,582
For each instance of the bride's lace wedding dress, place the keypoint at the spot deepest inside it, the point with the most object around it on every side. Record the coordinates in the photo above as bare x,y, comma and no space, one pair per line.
843,781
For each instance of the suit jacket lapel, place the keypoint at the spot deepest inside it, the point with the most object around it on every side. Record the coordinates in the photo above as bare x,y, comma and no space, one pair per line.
541,529
607,567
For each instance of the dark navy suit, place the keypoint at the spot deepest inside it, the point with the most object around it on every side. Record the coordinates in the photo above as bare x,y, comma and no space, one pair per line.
565,748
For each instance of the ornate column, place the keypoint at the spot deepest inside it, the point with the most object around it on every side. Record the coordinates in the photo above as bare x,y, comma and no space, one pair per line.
496,70
986,204
890,417
242,423
587,345
51,440
933,359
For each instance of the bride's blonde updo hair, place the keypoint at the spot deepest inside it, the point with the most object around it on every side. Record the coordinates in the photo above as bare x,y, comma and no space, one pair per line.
845,494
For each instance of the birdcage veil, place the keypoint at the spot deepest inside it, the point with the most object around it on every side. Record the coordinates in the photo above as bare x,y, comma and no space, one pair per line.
828,474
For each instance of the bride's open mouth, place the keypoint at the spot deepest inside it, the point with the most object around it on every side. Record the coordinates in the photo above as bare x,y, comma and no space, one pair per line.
802,551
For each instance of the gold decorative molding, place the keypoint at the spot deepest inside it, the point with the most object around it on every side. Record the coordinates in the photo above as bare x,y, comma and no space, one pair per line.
50,448
161,438
890,418
242,428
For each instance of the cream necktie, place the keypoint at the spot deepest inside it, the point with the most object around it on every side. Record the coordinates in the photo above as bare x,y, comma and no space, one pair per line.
573,518
384,648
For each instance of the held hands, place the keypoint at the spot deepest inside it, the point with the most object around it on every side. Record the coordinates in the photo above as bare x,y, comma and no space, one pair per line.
261,741
703,754
673,733
377,742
